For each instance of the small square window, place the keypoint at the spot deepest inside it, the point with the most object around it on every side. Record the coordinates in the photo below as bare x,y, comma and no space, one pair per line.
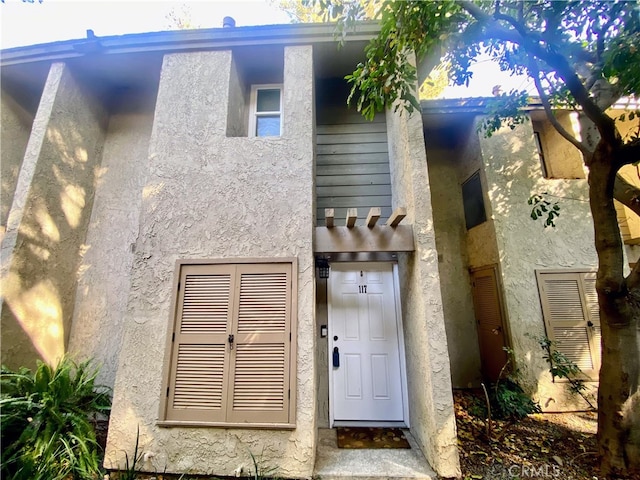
266,111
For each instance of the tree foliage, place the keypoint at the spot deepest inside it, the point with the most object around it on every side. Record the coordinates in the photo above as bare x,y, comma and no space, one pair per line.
582,55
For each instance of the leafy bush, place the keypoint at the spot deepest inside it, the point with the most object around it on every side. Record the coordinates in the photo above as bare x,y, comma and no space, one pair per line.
509,401
46,421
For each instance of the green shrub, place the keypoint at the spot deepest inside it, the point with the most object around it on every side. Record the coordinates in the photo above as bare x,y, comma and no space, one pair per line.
507,401
46,421
510,402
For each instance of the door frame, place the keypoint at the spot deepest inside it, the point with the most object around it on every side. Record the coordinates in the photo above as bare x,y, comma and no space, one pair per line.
401,349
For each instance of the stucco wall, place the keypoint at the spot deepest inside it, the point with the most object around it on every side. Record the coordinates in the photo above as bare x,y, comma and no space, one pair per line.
105,271
513,174
238,104
450,235
482,249
212,196
15,127
48,221
428,371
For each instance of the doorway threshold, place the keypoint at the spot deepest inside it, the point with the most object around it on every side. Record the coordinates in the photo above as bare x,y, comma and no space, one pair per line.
356,423
333,463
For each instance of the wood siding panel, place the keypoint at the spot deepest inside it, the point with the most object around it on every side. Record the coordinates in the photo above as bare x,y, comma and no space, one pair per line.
360,158
352,165
351,148
357,180
364,127
359,169
344,138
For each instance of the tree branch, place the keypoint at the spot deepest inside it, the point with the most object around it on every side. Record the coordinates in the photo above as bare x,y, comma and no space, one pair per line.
535,73
627,194
630,152
602,121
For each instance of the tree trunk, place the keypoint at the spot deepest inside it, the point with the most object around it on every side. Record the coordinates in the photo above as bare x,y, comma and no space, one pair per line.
619,399
618,394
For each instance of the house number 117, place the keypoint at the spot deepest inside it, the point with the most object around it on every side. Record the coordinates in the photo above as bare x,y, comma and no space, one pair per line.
362,288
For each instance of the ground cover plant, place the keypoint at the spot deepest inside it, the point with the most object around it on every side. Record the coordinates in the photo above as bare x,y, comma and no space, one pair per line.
47,421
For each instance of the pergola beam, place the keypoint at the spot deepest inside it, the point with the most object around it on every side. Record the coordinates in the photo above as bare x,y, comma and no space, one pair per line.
380,238
373,217
352,216
397,216
329,214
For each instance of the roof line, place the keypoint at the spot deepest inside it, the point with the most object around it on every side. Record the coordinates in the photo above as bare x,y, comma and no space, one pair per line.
185,40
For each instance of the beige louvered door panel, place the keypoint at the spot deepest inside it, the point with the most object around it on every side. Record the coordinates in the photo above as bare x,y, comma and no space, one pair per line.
593,329
200,360
566,314
259,389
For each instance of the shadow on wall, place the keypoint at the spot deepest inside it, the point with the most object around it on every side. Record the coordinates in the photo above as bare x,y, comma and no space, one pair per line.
39,290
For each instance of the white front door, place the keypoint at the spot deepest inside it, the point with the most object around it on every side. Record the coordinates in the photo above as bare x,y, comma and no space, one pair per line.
364,349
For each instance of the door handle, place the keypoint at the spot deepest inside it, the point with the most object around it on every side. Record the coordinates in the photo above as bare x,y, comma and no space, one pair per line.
336,357
496,331
230,342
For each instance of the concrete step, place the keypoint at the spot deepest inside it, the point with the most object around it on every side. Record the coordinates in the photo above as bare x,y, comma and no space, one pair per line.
333,463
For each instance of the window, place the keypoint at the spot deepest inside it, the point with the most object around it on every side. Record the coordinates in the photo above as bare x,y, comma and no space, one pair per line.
543,163
559,159
571,316
266,111
473,201
231,354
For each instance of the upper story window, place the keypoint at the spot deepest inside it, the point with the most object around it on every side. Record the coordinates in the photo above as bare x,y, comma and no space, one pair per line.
265,118
559,159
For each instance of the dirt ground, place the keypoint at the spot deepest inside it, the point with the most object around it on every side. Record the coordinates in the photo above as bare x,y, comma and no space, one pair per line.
541,446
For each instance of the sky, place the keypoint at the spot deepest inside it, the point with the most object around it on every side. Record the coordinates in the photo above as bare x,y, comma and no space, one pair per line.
24,23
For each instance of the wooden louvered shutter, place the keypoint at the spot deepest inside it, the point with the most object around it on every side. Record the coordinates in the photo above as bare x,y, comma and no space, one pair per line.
259,376
488,311
199,361
593,309
568,303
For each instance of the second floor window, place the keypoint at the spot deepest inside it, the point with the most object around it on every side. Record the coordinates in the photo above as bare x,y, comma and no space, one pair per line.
266,111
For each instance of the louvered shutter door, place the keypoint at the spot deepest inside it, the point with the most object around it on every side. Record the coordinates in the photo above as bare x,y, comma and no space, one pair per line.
595,335
486,302
259,390
199,361
565,311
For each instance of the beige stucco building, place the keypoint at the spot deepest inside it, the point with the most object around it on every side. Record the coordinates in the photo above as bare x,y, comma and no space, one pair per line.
170,202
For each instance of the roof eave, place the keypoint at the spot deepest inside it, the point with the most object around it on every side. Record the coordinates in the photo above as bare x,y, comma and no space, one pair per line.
185,40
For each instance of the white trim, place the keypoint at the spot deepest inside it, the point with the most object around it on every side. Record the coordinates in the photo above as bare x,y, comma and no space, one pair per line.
401,351
253,104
